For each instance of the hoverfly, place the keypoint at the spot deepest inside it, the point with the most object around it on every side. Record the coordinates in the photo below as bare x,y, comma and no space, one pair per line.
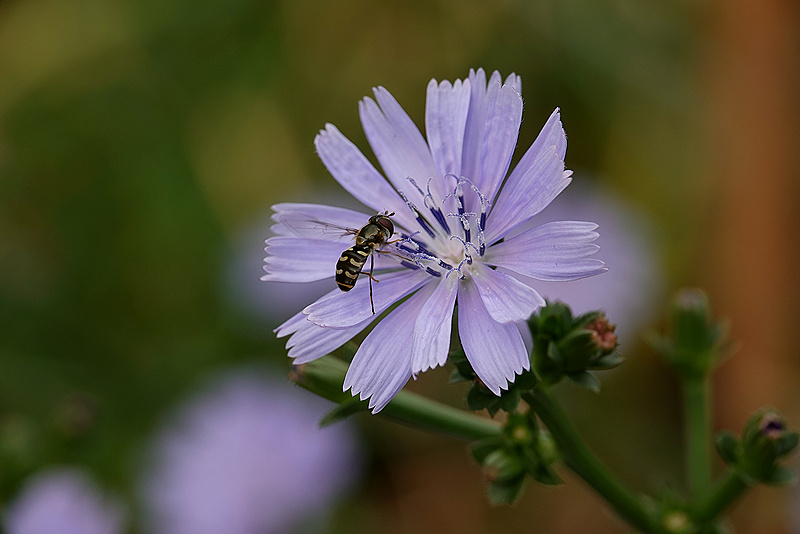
372,235
368,239
375,233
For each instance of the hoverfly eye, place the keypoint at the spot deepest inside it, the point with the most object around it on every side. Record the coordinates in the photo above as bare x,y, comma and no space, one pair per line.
386,223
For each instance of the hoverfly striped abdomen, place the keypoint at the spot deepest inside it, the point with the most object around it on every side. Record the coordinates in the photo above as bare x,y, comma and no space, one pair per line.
372,235
350,264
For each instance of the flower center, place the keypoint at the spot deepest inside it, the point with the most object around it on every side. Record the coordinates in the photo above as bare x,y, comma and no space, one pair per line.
451,237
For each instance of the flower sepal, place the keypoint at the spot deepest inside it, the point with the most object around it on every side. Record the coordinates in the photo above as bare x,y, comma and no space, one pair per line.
571,347
344,410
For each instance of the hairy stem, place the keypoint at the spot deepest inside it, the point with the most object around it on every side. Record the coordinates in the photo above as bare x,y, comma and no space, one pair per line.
325,376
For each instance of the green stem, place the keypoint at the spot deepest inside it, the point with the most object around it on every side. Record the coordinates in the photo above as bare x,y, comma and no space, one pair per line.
325,376
582,461
730,488
696,433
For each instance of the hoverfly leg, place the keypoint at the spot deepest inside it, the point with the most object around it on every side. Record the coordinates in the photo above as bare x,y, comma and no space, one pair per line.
395,254
371,278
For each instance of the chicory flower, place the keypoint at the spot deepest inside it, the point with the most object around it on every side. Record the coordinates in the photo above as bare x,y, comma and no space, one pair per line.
454,243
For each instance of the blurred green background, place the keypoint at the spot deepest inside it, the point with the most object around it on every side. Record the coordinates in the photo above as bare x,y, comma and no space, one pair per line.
142,143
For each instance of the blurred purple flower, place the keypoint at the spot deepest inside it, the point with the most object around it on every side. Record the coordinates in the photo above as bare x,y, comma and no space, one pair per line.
246,456
452,220
63,501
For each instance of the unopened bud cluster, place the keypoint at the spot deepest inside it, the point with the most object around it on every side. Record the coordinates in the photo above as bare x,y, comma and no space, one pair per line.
695,340
765,440
568,346
523,449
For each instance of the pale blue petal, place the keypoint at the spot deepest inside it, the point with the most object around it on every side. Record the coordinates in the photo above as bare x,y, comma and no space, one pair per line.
521,200
291,325
317,221
446,109
512,80
356,174
473,130
382,364
551,251
495,350
490,134
503,117
398,145
534,176
294,259
433,326
342,309
309,341
552,134
506,298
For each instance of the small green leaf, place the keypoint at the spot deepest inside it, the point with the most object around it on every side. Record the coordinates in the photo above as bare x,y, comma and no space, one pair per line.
659,343
587,318
510,400
478,398
507,492
788,443
456,377
343,411
554,354
609,361
779,476
482,448
727,447
587,380
577,349
530,460
526,381
545,474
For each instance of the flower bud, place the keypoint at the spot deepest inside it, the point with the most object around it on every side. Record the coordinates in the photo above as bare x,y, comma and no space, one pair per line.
572,346
677,522
502,466
765,440
603,335
694,343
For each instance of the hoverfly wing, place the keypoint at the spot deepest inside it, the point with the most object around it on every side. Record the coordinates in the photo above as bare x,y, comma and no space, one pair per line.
299,223
311,229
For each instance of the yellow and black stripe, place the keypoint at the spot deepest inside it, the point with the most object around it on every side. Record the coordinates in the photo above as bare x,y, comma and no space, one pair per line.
350,264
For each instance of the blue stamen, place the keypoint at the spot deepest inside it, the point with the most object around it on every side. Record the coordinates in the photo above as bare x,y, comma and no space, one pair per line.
420,220
466,245
408,264
440,218
430,203
420,247
445,265
425,226
434,273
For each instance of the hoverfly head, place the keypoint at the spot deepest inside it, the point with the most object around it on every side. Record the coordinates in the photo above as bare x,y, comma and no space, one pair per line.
384,222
